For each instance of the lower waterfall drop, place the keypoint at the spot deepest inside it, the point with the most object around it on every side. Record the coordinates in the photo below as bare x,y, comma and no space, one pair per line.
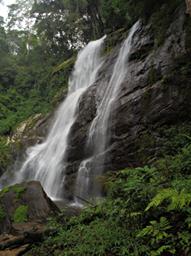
87,186
45,162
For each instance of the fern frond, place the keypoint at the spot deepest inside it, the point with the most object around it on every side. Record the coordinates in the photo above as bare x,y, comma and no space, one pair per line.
178,200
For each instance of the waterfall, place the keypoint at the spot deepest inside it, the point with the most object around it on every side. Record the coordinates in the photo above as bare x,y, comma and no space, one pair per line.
45,162
99,133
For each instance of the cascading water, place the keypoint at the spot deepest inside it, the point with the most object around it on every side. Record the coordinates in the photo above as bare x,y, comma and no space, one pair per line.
45,162
99,133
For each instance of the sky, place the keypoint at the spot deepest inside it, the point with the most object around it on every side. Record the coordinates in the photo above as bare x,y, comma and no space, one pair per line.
3,7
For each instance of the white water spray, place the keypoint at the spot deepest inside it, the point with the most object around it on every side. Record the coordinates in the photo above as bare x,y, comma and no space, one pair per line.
45,162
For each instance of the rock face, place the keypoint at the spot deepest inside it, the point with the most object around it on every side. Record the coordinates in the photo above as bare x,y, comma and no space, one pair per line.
155,92
23,206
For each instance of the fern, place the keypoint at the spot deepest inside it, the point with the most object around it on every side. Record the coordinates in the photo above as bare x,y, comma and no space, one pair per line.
178,200
156,229
135,214
156,233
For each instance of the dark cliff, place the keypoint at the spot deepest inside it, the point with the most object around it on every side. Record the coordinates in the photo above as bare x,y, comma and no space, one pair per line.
155,94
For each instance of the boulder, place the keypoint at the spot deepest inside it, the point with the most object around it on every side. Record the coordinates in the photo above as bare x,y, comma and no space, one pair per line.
23,207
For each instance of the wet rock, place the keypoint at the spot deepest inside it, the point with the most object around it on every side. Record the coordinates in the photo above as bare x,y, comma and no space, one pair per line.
30,132
152,95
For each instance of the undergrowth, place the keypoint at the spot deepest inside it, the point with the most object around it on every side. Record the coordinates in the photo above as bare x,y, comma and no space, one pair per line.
146,213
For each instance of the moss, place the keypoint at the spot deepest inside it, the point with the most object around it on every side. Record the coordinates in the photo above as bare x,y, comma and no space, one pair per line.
4,191
21,214
2,214
19,190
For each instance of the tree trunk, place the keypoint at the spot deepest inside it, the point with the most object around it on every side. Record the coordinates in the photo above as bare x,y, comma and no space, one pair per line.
188,5
93,11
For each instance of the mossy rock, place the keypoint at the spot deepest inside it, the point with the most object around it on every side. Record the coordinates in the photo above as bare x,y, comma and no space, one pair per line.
17,189
21,214
26,202
26,126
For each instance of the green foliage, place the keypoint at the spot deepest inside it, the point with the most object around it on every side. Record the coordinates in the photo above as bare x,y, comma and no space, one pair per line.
146,212
18,190
4,191
20,214
5,154
28,83
177,200
102,234
157,231
170,140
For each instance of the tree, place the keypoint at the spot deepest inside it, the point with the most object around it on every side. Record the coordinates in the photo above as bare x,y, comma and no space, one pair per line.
19,16
188,4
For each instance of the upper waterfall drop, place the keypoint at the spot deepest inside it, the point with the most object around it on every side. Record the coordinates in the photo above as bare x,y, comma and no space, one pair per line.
99,130
99,133
45,162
